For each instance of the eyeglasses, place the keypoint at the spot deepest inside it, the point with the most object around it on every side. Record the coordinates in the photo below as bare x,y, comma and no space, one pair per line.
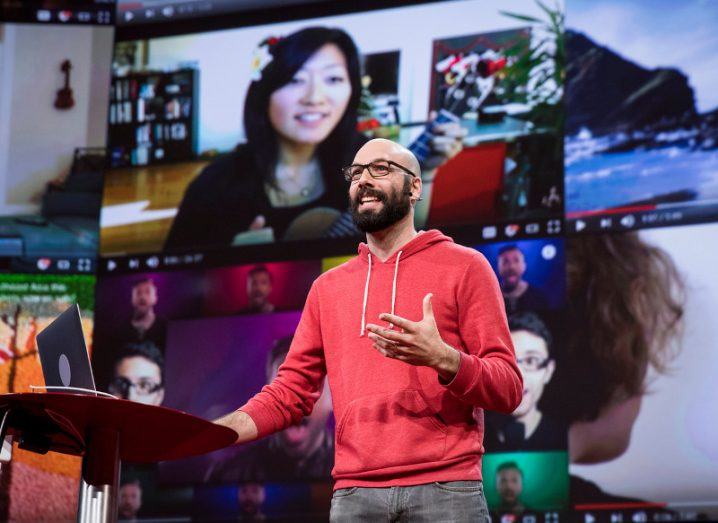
377,169
532,363
144,387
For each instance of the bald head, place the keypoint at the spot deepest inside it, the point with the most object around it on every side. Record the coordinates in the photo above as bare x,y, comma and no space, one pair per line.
378,203
383,149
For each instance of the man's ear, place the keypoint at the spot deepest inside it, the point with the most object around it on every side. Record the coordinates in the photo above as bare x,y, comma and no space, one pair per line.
550,368
416,188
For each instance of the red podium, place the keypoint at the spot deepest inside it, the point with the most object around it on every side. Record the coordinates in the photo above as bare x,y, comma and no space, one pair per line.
106,431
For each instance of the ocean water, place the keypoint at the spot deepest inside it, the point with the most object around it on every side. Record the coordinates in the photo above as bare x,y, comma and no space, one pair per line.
603,180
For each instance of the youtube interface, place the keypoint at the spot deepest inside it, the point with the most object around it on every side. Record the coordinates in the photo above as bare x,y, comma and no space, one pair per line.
71,12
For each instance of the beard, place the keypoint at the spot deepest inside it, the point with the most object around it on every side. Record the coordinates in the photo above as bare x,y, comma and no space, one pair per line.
507,285
395,207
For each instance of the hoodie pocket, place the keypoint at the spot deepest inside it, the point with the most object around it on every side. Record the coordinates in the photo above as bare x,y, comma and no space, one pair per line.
388,430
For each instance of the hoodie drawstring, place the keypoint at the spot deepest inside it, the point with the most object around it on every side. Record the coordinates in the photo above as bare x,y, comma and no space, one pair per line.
366,296
366,292
393,286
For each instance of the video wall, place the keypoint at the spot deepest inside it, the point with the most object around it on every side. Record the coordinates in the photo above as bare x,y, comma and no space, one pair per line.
579,158
54,84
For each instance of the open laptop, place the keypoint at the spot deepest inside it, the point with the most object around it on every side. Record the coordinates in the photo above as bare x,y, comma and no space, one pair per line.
65,363
63,354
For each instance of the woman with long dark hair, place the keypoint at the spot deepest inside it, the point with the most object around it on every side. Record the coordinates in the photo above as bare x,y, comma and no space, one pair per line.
300,119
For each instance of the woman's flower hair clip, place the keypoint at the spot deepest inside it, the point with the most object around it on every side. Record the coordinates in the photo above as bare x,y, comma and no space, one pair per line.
262,57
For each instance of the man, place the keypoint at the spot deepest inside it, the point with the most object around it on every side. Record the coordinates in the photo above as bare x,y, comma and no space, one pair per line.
259,287
404,384
130,500
250,497
509,486
139,374
144,323
528,428
300,452
519,295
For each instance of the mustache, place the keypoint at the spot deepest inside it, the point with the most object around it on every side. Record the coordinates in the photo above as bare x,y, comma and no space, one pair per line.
372,193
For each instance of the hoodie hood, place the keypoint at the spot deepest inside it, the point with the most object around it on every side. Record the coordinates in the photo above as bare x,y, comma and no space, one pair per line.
419,243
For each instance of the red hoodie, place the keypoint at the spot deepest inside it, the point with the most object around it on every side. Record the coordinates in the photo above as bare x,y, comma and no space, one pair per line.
396,423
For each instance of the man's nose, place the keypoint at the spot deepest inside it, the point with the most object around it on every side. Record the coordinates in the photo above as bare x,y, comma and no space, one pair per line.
365,178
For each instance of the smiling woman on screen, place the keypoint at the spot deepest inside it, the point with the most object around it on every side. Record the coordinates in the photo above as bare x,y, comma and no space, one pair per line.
300,119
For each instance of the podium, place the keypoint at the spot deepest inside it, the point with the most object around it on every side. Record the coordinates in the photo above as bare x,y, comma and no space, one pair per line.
105,432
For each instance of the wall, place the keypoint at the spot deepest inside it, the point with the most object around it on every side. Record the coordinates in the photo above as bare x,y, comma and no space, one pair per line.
37,140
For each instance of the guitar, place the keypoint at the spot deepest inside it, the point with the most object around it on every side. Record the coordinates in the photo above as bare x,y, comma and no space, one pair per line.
64,98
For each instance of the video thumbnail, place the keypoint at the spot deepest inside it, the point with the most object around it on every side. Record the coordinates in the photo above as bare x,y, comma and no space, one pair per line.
52,157
521,484
641,147
203,146
28,303
641,380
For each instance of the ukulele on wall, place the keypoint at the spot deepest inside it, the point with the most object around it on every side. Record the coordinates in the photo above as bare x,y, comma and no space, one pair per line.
64,99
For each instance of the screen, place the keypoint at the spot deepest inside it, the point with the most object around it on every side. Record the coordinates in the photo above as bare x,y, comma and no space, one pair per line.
54,82
195,161
620,429
525,468
29,303
233,326
53,100
199,152
640,119
581,150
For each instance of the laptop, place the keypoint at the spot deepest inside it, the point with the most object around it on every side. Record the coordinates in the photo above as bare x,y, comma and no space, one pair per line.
65,363
63,354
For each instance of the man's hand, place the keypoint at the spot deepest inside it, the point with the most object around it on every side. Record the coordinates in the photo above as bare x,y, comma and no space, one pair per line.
418,343
241,423
259,222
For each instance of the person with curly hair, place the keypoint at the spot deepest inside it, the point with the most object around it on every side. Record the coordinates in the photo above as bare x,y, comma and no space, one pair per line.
626,308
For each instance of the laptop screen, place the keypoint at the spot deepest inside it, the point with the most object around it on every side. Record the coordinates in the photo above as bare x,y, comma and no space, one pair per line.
63,354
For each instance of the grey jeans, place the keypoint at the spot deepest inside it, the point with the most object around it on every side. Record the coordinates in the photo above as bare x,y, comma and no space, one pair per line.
453,501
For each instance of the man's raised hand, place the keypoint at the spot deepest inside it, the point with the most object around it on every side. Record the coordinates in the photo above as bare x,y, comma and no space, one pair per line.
417,343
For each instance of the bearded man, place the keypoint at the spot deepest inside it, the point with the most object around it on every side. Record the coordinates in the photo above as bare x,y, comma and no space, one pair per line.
413,337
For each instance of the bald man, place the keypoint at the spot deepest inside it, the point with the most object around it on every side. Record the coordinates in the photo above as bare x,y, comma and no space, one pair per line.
413,337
